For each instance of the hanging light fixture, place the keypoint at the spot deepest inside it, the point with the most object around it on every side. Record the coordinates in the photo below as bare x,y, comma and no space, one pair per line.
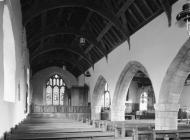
184,16
82,41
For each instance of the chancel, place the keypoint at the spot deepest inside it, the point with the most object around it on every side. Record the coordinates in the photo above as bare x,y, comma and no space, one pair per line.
94,69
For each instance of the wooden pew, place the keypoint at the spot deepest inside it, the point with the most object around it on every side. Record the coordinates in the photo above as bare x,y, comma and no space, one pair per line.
60,135
53,126
161,134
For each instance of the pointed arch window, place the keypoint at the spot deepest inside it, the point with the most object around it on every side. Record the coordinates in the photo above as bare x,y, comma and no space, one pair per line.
55,90
143,101
106,96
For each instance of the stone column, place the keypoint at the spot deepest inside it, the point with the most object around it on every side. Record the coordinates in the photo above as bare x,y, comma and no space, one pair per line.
96,112
118,113
166,116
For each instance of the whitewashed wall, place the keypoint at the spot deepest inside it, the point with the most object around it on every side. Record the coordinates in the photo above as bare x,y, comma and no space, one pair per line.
154,46
13,112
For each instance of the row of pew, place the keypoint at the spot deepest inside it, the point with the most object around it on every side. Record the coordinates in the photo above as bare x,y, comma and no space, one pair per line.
52,126
163,135
144,130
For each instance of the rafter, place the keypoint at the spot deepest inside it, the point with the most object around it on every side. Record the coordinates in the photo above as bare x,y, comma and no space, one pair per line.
89,4
83,26
60,30
78,70
149,18
118,14
60,47
105,48
109,40
148,7
139,11
86,20
133,16
43,24
109,5
70,60
96,43
58,16
81,29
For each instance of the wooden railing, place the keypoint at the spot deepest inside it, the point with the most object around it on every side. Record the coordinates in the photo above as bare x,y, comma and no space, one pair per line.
59,109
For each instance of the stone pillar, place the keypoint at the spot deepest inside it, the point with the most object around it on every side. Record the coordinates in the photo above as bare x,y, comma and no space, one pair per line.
166,116
118,113
96,110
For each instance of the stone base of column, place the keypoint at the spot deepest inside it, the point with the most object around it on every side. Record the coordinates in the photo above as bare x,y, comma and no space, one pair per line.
96,113
118,113
166,116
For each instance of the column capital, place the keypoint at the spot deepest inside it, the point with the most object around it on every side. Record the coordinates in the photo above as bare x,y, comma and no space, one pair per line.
166,107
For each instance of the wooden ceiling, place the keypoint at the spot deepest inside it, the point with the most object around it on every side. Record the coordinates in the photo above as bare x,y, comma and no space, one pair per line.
54,27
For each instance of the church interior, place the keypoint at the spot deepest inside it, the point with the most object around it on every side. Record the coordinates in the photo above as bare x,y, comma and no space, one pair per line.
95,69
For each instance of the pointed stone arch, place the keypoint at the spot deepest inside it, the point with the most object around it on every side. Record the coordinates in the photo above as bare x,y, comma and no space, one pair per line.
171,88
96,97
175,76
118,102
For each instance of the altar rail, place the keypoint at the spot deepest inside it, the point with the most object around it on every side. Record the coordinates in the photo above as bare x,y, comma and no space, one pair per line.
59,109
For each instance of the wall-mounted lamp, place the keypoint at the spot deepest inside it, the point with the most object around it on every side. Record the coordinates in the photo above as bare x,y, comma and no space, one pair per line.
184,16
87,74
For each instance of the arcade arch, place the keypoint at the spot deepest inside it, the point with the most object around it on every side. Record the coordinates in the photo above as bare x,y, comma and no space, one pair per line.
122,86
171,89
140,98
100,98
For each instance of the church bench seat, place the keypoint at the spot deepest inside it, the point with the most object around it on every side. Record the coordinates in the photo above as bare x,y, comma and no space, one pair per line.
53,126
60,135
63,130
160,134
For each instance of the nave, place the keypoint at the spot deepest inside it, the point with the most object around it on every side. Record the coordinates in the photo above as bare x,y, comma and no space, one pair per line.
114,68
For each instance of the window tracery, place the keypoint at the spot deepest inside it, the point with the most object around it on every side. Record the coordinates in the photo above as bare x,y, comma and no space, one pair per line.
55,90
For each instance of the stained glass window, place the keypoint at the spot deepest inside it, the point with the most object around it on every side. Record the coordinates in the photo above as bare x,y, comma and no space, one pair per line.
56,95
55,90
62,91
48,95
